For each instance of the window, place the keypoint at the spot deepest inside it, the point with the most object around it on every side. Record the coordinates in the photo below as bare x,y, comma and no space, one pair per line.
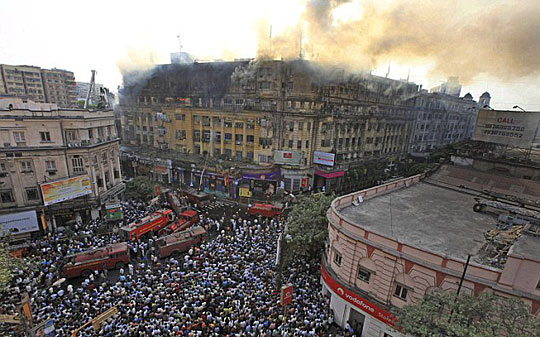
250,138
291,126
116,174
179,117
363,274
196,136
32,194
50,165
78,165
538,285
387,335
104,156
2,167
239,125
26,166
238,139
90,133
19,137
290,143
239,155
401,292
307,143
299,144
337,258
45,136
6,196
228,137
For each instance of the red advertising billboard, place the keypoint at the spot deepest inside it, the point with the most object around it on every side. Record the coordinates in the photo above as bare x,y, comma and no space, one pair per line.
286,294
359,302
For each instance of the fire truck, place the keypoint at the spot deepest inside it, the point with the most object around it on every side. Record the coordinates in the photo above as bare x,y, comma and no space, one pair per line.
184,221
267,210
197,198
148,225
179,242
110,257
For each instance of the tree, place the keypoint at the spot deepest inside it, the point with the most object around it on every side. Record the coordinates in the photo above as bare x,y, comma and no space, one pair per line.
307,225
443,314
9,264
140,187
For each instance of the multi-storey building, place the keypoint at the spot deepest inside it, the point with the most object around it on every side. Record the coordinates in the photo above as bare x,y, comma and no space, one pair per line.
249,111
390,245
39,85
59,87
45,151
441,119
24,81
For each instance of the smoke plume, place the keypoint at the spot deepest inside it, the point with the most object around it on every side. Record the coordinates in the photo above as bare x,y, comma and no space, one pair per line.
457,37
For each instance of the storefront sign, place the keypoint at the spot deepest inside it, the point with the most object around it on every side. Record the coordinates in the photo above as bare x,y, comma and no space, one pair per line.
262,175
113,212
286,294
329,175
65,189
287,157
18,223
244,192
323,158
366,306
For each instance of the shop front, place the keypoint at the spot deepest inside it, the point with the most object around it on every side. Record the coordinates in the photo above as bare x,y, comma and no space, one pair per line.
328,181
296,180
262,183
349,306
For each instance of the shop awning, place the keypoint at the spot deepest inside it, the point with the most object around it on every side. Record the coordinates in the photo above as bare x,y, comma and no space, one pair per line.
329,174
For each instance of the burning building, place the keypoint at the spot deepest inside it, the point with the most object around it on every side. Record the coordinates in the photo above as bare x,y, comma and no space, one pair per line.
287,113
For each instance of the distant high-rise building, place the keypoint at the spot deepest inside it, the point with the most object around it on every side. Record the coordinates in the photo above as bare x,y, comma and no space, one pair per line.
450,87
39,85
22,81
59,87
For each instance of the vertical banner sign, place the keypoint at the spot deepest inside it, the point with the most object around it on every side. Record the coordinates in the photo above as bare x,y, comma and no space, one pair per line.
286,294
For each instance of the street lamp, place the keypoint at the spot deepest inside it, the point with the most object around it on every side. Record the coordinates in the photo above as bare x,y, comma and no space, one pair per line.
518,107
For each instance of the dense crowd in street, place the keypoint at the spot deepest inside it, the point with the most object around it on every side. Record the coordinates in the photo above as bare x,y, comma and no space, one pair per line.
224,287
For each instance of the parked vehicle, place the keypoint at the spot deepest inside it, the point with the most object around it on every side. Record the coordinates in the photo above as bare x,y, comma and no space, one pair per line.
84,263
180,242
184,221
148,225
267,210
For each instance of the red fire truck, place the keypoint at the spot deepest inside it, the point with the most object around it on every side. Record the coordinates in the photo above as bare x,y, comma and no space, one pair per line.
82,264
267,210
148,225
179,242
184,221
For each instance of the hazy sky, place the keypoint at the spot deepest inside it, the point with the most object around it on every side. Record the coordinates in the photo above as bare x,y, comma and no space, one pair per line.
101,35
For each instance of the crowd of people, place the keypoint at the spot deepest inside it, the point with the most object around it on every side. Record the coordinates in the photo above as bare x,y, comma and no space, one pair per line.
224,287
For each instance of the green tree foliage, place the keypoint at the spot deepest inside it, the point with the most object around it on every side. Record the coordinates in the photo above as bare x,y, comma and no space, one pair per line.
307,225
442,314
140,187
8,265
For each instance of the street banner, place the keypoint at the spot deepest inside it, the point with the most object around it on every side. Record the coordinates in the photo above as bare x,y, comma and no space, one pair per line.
65,189
18,223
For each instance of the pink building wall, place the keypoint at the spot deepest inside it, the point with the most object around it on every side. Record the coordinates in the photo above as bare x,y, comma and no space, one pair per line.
392,262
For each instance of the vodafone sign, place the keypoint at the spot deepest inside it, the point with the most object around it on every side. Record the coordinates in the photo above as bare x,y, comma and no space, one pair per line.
366,306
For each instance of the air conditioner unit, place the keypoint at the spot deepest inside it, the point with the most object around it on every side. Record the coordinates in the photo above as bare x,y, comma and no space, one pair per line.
7,144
